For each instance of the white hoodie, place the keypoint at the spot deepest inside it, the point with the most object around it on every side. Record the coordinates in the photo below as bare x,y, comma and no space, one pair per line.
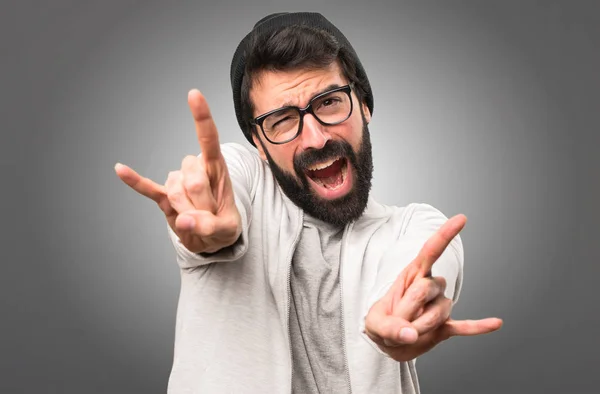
232,333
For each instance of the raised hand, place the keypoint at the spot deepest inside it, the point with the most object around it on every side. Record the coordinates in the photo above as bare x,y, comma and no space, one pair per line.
414,316
197,200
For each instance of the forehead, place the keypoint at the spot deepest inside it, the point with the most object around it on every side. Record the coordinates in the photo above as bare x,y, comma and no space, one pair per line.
275,89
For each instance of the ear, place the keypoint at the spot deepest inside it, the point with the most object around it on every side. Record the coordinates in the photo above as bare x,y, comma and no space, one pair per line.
259,146
366,112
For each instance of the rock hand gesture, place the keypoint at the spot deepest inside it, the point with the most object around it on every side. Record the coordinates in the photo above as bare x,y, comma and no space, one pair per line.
197,200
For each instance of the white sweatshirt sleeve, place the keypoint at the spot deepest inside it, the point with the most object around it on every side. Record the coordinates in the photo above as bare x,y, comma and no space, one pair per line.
244,169
419,223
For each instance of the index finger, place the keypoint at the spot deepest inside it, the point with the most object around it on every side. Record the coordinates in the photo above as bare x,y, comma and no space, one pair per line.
438,242
206,130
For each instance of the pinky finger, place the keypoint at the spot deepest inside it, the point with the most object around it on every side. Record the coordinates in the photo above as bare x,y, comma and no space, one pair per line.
144,186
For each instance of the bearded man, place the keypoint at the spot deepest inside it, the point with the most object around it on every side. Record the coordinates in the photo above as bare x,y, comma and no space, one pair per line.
292,278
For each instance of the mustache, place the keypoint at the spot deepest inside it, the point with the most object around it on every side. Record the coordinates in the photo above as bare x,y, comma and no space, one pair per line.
331,150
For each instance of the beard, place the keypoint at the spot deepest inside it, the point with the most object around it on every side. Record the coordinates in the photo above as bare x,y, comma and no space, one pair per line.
339,211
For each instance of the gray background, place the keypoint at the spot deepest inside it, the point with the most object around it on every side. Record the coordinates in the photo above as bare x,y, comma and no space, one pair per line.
486,108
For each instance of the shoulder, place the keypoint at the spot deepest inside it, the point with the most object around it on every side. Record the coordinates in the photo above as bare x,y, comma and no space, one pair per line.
235,152
376,211
401,219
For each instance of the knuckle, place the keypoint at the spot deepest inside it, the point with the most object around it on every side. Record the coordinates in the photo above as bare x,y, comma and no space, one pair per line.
195,184
188,161
369,323
418,294
425,282
175,192
172,178
208,228
372,321
384,329
231,222
432,318
441,282
175,195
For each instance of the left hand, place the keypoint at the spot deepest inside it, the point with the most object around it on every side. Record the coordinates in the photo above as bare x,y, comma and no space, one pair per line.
414,315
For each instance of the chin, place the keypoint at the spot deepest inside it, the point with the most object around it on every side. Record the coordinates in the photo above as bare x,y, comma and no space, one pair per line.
331,184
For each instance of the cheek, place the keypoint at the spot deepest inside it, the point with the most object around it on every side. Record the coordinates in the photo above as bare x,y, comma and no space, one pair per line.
353,133
284,158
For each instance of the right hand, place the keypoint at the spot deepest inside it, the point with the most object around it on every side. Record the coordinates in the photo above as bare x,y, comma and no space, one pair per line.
414,315
198,200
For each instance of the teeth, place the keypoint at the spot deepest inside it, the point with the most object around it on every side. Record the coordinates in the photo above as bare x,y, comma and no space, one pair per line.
320,166
320,183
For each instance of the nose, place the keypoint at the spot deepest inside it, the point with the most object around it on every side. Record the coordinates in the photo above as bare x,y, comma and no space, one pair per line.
313,135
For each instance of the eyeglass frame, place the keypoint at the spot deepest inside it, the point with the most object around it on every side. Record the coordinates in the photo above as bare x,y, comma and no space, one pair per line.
258,121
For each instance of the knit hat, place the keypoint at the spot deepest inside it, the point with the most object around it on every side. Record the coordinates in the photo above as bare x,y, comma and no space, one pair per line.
278,21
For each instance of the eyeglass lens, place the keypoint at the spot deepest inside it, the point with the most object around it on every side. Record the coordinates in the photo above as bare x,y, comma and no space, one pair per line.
331,108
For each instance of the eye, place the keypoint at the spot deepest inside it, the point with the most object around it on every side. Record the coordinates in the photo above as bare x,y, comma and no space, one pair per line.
328,102
280,121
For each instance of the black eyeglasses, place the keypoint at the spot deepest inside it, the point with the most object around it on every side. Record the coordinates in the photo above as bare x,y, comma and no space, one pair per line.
284,124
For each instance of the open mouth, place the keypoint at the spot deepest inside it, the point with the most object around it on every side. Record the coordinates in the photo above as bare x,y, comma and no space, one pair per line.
331,178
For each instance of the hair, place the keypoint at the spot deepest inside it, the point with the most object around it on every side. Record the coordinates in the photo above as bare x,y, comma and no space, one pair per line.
292,48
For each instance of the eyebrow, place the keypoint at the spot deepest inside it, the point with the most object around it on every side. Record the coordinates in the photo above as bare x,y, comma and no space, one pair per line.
328,88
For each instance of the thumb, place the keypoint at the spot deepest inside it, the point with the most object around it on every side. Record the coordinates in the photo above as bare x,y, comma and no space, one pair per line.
205,224
202,223
389,330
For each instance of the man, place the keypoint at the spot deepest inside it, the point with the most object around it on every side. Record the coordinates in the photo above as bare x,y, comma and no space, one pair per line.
292,278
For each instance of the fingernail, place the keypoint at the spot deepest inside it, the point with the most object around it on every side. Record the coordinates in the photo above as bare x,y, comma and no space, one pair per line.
191,91
408,335
187,222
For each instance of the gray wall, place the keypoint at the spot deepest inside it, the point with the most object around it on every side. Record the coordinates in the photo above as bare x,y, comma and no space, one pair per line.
486,108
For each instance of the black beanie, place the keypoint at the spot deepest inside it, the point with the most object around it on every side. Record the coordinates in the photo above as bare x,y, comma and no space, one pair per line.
275,22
